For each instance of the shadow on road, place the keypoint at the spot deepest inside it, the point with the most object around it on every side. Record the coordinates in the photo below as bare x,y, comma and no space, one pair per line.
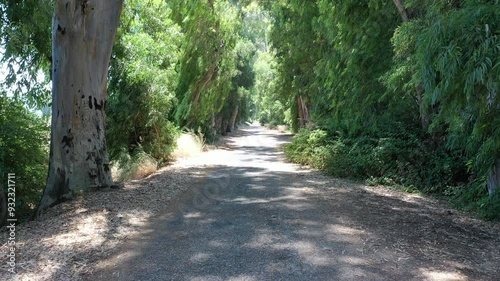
256,218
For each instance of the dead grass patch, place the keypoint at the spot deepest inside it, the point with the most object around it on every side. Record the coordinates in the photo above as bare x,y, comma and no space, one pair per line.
189,144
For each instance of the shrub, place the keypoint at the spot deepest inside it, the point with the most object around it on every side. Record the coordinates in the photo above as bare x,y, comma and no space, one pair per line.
402,160
24,140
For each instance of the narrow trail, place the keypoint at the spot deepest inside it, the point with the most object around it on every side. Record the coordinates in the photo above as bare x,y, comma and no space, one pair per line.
248,215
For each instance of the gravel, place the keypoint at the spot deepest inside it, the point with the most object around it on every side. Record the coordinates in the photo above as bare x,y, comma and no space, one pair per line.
240,212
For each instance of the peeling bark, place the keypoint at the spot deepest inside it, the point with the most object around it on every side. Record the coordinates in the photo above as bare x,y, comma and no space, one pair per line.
83,33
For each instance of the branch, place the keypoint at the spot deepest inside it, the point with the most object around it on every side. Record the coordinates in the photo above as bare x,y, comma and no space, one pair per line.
401,9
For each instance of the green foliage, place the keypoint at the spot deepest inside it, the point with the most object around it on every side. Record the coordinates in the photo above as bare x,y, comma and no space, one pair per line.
208,63
25,34
142,83
398,160
24,151
413,104
269,107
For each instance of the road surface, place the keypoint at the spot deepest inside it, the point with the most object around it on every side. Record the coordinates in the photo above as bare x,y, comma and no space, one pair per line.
251,216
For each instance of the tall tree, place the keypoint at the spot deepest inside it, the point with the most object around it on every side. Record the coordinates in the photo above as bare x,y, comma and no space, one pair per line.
83,33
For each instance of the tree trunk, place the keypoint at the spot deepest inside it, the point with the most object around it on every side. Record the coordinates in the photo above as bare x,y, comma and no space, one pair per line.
401,9
303,112
494,180
83,33
232,122
424,112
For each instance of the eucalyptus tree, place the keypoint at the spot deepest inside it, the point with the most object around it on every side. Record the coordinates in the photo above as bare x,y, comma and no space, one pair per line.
83,33
208,62
82,38
297,49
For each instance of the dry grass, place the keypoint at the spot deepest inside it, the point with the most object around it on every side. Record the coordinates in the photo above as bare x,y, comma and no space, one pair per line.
135,168
283,128
188,145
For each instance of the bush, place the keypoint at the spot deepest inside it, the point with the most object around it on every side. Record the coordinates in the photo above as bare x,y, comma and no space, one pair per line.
24,143
402,160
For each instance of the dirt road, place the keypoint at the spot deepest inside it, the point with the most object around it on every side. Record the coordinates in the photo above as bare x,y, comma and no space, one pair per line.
251,216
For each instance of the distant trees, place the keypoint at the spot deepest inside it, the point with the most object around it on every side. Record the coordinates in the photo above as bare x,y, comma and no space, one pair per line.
208,89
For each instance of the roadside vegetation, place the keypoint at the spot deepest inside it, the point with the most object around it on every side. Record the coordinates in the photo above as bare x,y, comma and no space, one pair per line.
401,93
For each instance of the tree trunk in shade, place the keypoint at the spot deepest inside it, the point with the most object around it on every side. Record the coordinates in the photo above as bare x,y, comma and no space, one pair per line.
232,122
494,180
83,33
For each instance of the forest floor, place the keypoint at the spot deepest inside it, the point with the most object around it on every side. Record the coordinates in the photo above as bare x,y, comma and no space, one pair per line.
240,212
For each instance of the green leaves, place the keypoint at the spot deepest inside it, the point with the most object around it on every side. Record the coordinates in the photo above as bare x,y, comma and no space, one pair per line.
25,37
24,139
142,82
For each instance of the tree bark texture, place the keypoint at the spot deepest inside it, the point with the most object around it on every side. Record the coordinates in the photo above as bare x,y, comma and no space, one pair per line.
83,33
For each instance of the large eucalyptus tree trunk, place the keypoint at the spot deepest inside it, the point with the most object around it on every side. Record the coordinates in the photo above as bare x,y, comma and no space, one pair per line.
83,33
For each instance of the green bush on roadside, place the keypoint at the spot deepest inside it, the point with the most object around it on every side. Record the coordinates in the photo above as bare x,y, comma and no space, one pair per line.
24,143
404,161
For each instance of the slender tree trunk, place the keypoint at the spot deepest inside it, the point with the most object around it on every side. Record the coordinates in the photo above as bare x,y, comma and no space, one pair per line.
494,180
232,122
83,33
303,112
401,9
424,111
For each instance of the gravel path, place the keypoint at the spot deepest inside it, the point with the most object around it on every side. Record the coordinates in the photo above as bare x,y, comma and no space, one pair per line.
248,215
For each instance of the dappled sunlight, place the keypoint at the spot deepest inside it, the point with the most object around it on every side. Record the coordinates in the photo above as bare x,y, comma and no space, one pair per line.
91,230
337,229
436,275
193,215
217,244
263,238
286,200
119,257
310,253
238,221
351,260
200,257
243,200
232,278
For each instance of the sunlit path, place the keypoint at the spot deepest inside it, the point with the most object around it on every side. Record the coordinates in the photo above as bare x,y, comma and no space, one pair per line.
250,216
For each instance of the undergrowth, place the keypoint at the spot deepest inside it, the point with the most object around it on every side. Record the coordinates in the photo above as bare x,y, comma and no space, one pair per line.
403,161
